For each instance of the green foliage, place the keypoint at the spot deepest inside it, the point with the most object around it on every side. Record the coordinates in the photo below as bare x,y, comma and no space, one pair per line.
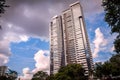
12,74
112,17
115,60
111,67
2,6
40,75
70,72
107,69
3,78
117,44
51,77
98,71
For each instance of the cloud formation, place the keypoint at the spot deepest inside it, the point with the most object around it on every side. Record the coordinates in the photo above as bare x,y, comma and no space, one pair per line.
42,61
33,17
27,75
5,45
42,64
3,59
99,42
28,18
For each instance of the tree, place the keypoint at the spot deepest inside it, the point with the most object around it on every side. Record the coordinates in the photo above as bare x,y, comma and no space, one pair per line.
12,74
98,70
115,61
9,75
2,6
103,70
109,68
117,45
112,17
70,72
3,78
40,75
51,77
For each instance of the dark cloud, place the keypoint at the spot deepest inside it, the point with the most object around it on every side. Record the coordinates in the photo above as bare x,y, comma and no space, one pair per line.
34,15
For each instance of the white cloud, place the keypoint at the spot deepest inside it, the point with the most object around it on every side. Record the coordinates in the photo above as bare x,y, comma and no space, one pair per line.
11,36
99,42
42,61
112,49
27,13
11,33
10,25
23,38
42,64
5,45
26,70
3,59
27,75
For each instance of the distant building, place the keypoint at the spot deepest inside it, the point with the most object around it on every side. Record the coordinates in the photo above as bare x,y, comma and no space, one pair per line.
3,70
69,41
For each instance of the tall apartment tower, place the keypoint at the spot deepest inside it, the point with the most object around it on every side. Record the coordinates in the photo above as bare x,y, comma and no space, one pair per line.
69,41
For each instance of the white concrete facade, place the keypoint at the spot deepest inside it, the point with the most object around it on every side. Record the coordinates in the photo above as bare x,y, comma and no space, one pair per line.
72,40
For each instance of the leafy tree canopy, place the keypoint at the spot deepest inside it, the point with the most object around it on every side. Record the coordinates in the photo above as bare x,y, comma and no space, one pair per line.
115,61
98,70
112,17
111,67
40,75
70,72
12,74
117,44
2,6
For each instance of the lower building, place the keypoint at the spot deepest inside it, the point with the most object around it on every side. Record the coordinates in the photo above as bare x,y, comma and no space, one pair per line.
3,70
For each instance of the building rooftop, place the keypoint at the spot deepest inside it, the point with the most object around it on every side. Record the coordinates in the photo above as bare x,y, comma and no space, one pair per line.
55,16
77,2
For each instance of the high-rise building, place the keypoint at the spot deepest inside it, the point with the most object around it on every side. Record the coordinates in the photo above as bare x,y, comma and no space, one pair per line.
69,41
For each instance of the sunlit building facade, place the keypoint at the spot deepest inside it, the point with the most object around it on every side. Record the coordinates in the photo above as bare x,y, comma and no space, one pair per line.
69,41
56,45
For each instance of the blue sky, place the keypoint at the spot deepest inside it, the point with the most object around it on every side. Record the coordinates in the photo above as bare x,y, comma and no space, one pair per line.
24,42
23,53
